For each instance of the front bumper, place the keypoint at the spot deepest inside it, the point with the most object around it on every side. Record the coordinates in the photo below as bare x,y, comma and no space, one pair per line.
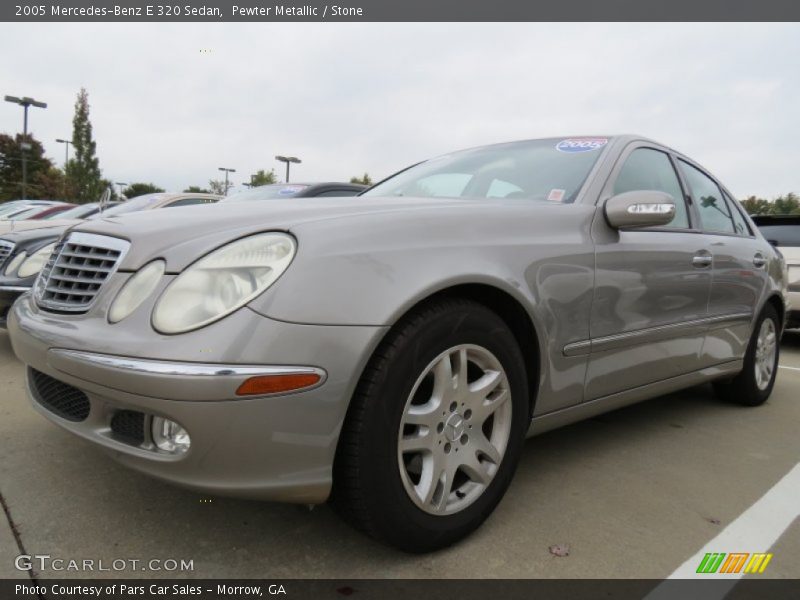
278,447
8,295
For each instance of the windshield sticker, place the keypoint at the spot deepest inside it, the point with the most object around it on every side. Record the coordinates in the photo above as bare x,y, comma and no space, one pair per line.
556,195
573,145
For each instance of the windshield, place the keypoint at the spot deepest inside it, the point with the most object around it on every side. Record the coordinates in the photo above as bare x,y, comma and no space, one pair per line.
13,205
132,205
12,214
26,214
542,170
267,192
79,212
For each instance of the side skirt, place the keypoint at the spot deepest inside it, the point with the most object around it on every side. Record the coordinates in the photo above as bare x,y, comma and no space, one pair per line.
585,410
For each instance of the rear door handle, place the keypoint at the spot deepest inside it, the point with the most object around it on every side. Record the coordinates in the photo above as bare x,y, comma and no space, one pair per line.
701,261
759,260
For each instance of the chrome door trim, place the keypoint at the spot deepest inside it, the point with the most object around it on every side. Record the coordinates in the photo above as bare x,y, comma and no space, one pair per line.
652,334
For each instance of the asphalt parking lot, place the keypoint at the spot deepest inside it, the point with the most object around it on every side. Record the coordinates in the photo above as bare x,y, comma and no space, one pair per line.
631,494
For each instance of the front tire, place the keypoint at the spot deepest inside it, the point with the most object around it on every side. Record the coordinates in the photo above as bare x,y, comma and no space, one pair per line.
754,384
435,429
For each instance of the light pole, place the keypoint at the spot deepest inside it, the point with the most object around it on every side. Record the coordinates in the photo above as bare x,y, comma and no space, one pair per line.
25,103
66,160
121,185
288,160
227,170
66,151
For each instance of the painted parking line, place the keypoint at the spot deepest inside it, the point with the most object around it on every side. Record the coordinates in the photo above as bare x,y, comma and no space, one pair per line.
789,368
755,530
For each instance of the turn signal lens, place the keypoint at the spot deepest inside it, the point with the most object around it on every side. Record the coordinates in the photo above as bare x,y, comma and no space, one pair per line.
275,384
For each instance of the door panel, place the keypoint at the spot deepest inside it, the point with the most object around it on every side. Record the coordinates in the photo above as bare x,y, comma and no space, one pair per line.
735,292
649,309
649,312
738,274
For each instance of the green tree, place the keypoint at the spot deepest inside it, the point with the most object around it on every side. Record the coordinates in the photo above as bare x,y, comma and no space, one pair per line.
365,180
756,206
140,189
11,168
782,205
83,170
51,184
786,205
196,189
261,177
217,186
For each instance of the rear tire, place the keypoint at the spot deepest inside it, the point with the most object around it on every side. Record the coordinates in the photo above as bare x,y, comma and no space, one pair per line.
435,429
754,384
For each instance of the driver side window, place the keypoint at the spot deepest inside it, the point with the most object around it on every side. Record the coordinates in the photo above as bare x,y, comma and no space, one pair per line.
649,169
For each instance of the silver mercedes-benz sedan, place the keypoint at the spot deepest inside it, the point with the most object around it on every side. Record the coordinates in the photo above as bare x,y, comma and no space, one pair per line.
391,352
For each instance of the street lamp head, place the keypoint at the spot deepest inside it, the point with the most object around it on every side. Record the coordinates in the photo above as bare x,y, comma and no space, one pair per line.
288,159
227,170
60,141
26,101
31,102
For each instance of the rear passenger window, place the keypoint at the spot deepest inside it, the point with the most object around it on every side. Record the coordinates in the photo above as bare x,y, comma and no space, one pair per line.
715,214
738,220
649,169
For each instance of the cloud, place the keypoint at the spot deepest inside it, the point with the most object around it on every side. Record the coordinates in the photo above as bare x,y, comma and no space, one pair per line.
170,103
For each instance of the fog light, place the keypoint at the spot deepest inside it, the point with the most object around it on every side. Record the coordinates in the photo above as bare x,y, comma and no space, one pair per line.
169,436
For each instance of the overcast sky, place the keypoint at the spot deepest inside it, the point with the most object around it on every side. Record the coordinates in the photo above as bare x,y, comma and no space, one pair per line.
172,102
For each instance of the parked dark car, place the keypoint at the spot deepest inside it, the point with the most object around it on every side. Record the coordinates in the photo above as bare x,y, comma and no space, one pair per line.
278,191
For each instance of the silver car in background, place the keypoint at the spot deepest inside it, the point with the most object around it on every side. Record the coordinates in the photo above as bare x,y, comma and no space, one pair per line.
391,352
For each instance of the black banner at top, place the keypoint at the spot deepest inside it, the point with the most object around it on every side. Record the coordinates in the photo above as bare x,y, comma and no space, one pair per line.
397,10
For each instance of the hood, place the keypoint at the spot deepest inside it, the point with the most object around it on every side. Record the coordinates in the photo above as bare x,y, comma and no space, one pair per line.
182,235
14,226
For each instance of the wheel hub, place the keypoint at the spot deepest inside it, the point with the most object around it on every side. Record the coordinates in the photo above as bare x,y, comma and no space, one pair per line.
454,427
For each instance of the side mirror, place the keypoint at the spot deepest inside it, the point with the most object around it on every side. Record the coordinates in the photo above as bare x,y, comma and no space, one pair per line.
641,208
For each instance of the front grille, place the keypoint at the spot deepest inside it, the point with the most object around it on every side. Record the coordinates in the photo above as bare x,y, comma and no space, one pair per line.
128,426
76,270
58,397
6,248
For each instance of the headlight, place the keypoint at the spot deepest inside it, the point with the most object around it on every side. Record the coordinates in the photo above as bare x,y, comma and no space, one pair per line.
35,263
223,281
135,290
12,266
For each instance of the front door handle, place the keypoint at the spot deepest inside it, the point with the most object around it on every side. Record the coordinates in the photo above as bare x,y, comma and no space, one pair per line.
759,260
702,260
